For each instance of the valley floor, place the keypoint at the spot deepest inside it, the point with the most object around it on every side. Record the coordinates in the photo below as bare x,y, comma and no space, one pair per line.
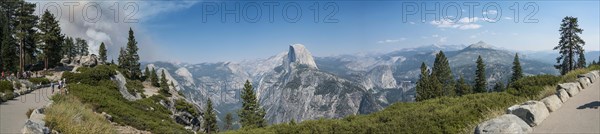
578,115
12,113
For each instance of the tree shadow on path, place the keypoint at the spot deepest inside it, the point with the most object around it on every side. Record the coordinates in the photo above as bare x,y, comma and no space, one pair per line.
591,105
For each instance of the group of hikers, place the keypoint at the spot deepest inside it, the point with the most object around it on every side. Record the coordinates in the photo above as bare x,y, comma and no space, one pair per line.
61,84
25,75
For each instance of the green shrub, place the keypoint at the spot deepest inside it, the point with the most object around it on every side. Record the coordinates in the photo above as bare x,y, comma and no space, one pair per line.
538,80
90,76
134,86
572,75
181,104
6,86
41,80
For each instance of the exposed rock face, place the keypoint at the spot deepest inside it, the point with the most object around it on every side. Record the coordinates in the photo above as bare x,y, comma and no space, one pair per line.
36,123
121,81
300,56
571,88
584,81
89,61
532,112
507,123
552,103
563,95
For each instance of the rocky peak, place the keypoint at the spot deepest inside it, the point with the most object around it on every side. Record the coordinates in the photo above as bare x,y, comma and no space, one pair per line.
299,55
480,45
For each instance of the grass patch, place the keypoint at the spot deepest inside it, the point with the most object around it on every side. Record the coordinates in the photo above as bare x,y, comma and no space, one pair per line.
6,86
68,115
572,75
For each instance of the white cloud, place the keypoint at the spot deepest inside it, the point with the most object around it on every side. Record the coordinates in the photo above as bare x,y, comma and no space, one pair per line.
388,41
508,18
411,22
470,26
463,23
443,39
109,30
490,12
473,36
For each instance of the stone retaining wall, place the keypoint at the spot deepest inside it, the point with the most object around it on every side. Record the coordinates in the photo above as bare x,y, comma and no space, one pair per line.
520,118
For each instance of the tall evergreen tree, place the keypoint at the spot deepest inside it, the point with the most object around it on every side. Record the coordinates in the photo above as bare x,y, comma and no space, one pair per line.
146,73
154,78
228,121
581,60
443,74
480,80
516,69
122,58
462,88
423,85
499,87
251,115
210,119
132,58
82,46
51,39
25,33
9,48
569,45
164,86
68,48
102,52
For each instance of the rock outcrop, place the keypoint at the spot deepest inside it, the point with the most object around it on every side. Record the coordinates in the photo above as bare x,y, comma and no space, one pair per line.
584,81
563,95
532,112
552,103
89,61
36,123
298,55
507,123
121,81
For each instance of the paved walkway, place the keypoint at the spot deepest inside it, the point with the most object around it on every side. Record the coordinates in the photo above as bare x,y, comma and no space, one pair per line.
12,113
580,114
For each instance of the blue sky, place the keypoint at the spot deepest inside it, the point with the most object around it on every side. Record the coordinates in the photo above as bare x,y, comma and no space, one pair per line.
176,31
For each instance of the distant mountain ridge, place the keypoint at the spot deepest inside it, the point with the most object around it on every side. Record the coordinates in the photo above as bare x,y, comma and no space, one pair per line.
296,85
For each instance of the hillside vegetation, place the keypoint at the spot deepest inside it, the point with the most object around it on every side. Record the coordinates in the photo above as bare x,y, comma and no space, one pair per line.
439,115
97,92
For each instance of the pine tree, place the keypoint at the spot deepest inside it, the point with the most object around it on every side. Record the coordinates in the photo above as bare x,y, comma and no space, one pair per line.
210,119
9,48
251,115
102,52
132,58
25,33
423,91
51,39
81,46
146,74
581,60
122,58
228,121
164,86
516,69
569,45
68,48
154,78
499,87
462,88
442,72
480,80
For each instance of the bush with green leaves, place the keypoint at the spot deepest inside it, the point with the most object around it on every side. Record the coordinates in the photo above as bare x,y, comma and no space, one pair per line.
134,86
90,76
40,80
182,105
6,86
